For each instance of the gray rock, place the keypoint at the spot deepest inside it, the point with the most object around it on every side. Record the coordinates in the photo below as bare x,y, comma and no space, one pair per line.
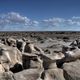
49,61
71,53
31,61
6,76
72,70
30,74
53,74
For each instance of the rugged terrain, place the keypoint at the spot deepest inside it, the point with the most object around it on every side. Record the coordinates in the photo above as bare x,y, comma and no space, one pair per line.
39,55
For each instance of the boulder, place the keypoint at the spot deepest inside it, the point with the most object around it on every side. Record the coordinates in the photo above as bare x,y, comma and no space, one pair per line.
76,43
72,70
31,48
20,43
53,74
2,68
70,53
31,61
9,41
49,61
9,56
29,74
6,76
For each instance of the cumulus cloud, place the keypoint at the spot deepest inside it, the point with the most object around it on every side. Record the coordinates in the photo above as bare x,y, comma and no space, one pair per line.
13,21
62,24
14,18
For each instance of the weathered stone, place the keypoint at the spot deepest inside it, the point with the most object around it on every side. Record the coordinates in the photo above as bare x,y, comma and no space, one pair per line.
72,70
1,68
53,74
9,41
49,61
6,76
9,56
31,61
29,74
71,53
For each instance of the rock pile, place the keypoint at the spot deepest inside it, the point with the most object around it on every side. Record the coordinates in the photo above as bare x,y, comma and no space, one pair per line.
21,59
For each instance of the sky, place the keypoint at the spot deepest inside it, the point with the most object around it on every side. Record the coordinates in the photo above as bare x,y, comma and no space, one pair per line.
39,15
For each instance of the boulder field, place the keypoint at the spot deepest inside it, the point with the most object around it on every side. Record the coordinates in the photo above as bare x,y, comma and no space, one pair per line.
50,59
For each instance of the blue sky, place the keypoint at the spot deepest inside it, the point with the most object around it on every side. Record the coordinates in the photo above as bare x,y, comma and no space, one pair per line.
40,15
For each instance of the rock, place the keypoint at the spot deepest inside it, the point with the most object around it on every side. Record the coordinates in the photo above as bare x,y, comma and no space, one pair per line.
9,41
20,43
47,51
9,56
49,61
75,43
31,48
72,70
27,46
31,61
71,54
53,74
29,74
6,76
3,41
16,68
36,62
2,68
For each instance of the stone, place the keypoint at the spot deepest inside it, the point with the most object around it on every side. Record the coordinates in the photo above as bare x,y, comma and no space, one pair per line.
53,74
9,56
6,76
72,70
31,61
29,74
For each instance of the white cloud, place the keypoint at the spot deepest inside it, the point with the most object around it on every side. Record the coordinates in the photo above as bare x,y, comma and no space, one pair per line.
13,17
62,24
14,21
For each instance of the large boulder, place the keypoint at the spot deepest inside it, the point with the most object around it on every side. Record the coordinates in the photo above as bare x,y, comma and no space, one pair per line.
72,70
29,74
31,61
71,53
49,61
53,74
9,56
